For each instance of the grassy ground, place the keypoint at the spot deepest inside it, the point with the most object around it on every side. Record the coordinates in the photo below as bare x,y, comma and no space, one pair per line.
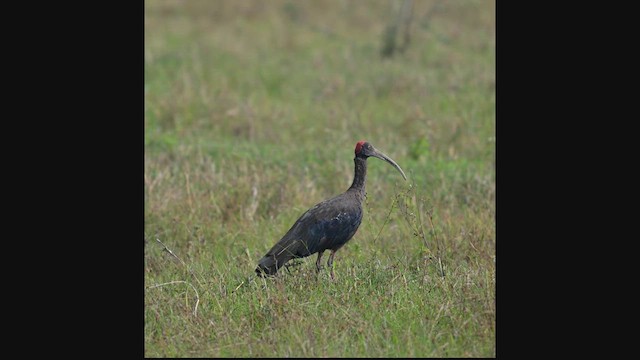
252,112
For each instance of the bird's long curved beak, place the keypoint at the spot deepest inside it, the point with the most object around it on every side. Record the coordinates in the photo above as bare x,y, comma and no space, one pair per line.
380,155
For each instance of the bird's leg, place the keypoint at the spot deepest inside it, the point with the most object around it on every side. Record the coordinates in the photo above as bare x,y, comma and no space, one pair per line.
330,263
318,265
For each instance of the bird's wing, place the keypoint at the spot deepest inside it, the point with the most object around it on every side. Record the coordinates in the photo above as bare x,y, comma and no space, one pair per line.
327,225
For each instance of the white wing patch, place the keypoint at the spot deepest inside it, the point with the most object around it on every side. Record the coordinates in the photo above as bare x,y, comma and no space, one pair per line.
339,216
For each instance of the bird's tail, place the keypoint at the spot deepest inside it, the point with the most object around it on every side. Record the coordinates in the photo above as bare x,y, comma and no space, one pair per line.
270,263
285,250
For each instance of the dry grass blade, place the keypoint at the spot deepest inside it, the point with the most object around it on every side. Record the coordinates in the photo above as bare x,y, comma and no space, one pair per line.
170,252
195,308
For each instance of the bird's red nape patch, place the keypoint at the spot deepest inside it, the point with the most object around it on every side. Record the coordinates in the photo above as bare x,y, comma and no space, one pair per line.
359,146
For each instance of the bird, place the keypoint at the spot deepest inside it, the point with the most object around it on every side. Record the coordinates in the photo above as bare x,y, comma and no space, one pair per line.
328,225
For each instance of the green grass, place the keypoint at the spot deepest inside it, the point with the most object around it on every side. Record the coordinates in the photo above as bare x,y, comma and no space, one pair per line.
252,112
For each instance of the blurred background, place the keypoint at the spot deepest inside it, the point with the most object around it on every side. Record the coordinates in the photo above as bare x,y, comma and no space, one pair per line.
253,109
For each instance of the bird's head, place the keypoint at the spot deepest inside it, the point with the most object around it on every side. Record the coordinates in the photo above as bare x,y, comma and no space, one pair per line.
365,150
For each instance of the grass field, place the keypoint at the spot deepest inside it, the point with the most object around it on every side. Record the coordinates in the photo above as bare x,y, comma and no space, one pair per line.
252,113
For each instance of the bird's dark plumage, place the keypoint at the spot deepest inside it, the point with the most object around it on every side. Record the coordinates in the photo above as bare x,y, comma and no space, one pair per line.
329,224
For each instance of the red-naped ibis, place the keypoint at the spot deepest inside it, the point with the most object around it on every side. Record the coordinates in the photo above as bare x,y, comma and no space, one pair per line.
329,224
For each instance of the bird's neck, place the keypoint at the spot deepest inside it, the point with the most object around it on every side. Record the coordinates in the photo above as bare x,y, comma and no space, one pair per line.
360,175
